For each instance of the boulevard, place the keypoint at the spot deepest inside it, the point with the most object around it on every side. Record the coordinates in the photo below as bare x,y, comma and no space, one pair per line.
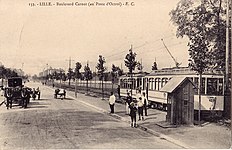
51,123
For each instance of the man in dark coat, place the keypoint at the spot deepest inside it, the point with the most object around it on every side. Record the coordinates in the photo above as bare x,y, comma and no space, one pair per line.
128,101
133,111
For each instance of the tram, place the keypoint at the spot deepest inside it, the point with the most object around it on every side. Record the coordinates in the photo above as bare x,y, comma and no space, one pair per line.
212,87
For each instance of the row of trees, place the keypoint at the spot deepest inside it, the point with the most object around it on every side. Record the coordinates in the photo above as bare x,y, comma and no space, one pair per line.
101,73
7,72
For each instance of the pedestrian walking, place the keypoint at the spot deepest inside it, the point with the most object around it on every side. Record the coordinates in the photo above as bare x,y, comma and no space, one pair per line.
133,111
145,103
112,102
128,101
140,108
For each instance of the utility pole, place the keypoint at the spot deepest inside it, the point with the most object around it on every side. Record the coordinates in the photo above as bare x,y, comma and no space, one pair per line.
69,69
75,84
131,75
60,76
87,80
228,54
227,46
95,77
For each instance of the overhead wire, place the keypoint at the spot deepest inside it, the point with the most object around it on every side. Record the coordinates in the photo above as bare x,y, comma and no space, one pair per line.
144,44
118,55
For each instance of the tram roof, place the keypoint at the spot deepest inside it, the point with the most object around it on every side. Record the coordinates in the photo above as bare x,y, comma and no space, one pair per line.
136,74
181,71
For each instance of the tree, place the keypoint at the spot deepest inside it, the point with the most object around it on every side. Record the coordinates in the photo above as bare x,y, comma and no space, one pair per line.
208,16
63,76
130,63
70,74
56,75
60,76
77,75
7,72
87,75
154,67
139,67
77,70
202,22
115,73
101,69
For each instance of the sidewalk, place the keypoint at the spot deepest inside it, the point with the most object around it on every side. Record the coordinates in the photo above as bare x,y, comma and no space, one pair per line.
210,136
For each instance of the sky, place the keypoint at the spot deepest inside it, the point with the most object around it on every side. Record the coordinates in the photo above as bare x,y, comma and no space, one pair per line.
34,38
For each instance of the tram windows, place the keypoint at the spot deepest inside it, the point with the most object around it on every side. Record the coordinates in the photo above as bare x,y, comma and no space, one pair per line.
214,86
211,86
144,83
158,83
203,86
153,85
196,82
129,83
151,82
123,83
126,83
220,86
133,83
139,82
164,81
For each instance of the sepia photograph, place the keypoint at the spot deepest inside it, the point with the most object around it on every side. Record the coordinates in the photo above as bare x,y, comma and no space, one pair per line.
115,74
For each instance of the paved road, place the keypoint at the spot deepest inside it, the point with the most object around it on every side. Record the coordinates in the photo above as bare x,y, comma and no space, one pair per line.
53,123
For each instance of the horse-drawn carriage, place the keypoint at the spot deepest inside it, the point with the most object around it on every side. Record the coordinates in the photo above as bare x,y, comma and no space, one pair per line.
15,92
61,93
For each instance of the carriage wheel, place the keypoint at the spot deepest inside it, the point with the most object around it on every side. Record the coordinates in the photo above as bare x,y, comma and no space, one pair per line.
9,103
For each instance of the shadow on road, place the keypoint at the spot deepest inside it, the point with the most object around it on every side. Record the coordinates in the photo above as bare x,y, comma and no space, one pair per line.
36,106
68,99
60,98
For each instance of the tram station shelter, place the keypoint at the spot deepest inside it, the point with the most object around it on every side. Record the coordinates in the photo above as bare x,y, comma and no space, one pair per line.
180,101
